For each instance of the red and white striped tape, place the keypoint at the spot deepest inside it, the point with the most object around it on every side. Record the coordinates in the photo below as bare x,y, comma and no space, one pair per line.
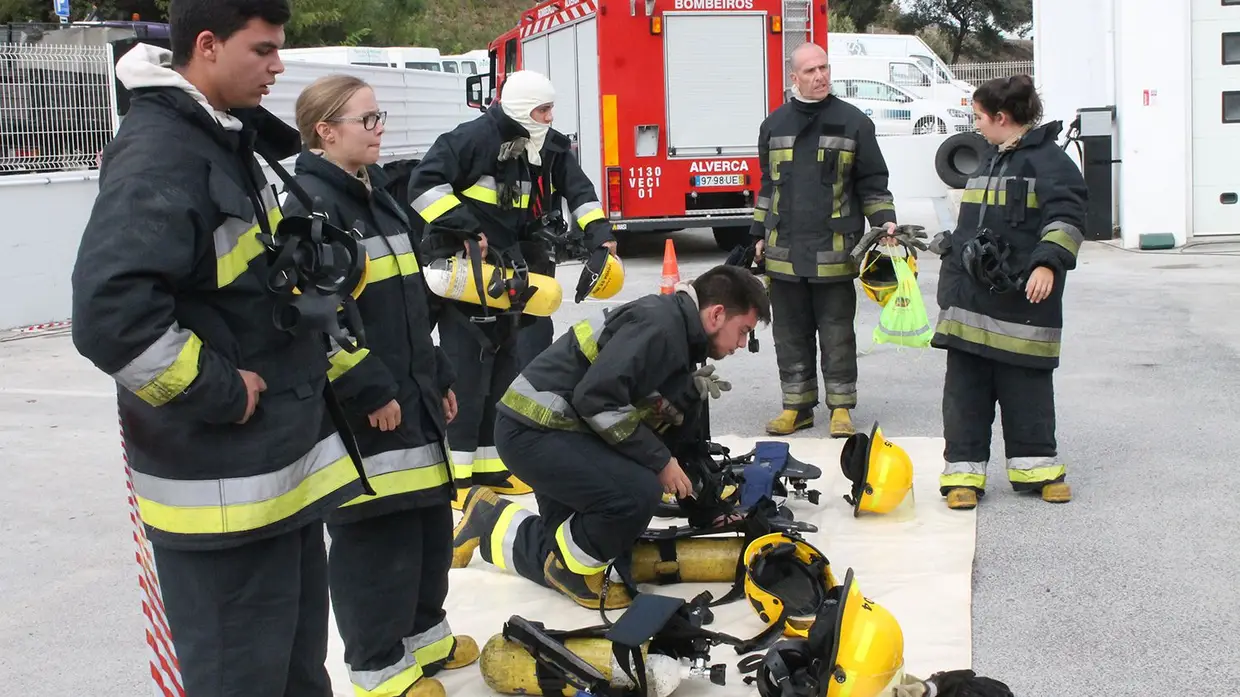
162,659
44,327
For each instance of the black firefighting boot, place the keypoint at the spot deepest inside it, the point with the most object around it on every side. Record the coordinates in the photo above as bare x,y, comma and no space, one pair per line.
586,591
482,510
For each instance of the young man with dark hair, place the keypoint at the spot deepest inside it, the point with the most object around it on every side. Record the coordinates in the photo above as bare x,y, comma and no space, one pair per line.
233,455
585,424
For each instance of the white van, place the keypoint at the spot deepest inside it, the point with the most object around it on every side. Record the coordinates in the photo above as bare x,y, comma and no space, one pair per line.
908,73
893,46
895,111
471,63
339,55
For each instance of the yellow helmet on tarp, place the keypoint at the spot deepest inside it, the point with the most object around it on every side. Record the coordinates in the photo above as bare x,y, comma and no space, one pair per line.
855,649
789,577
881,473
878,273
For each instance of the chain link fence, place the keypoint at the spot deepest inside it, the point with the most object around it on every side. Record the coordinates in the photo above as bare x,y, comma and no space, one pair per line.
55,106
977,73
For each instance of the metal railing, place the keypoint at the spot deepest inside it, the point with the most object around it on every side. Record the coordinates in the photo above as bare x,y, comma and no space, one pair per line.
55,106
977,73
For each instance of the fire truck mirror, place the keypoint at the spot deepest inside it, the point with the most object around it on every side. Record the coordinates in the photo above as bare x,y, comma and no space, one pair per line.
473,92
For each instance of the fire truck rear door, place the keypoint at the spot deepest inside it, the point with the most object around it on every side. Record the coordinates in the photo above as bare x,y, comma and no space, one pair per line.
716,82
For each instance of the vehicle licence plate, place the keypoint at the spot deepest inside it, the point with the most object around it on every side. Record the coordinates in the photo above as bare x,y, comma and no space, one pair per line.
719,180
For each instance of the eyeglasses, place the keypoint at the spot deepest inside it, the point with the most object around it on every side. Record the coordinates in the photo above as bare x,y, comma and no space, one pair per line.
369,121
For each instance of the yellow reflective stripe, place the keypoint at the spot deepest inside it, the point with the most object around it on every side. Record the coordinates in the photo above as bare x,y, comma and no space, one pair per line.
165,369
575,558
432,645
486,190
962,479
784,267
541,408
1034,470
615,426
587,213
392,681
980,329
842,193
777,156
1065,235
871,207
239,504
342,361
504,534
487,460
759,215
404,471
462,463
587,338
391,266
236,244
994,197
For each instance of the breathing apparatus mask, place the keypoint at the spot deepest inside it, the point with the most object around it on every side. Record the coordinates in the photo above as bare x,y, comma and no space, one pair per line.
987,260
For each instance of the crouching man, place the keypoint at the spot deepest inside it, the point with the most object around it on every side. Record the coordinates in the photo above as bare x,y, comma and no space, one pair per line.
584,425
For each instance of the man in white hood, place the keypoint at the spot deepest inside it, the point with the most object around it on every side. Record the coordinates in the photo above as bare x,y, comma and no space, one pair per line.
233,455
489,183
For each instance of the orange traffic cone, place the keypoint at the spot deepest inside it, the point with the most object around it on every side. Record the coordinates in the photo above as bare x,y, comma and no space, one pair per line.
671,269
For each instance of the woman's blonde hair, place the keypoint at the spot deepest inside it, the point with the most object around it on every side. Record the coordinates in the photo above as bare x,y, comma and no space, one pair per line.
322,100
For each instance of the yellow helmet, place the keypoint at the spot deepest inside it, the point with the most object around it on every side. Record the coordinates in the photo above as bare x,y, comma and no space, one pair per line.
785,575
855,649
878,274
602,276
881,472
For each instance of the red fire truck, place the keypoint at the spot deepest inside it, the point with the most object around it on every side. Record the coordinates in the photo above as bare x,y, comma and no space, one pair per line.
662,98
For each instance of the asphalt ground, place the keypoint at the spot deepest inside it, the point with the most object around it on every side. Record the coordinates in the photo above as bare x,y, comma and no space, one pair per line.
1128,590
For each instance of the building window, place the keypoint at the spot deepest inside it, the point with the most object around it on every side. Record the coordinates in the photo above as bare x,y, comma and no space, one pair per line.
1231,48
1231,107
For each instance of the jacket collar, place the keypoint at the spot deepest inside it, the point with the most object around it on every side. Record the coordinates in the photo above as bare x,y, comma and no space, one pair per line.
310,163
261,130
687,301
1037,136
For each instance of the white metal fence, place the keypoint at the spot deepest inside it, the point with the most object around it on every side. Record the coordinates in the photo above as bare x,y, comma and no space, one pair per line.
977,73
55,106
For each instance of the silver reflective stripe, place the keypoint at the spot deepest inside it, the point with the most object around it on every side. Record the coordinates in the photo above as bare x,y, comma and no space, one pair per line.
781,142
379,247
764,202
228,235
488,182
428,455
239,490
829,257
157,358
842,387
430,636
586,207
1030,463
430,196
837,143
462,457
370,680
615,426
977,320
964,468
509,543
574,548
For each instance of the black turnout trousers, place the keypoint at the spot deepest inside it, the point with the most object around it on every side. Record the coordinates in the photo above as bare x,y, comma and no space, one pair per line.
605,499
807,316
251,620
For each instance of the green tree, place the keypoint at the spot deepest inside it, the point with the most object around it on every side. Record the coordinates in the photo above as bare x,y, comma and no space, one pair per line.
838,22
979,20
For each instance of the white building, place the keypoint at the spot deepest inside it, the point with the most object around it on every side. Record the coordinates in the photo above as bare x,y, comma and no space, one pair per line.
1172,71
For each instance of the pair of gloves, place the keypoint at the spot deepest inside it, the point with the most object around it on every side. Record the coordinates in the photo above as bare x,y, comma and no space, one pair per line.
708,384
911,236
953,683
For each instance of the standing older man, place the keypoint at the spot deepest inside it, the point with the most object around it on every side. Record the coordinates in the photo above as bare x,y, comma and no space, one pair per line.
822,171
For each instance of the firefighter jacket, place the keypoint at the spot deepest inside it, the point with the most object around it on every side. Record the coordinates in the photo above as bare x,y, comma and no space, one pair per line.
477,179
407,466
822,171
625,375
1033,197
170,299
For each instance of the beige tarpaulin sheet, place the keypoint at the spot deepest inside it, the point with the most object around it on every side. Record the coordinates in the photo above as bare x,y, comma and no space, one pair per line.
919,569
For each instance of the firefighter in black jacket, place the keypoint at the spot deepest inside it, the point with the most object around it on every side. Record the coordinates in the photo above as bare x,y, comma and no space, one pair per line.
487,178
585,424
234,458
1000,297
390,553
822,176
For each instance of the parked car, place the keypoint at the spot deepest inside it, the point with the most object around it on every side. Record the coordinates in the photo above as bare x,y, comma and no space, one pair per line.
896,111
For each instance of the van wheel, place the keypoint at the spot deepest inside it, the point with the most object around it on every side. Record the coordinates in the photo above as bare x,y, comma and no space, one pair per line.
727,238
959,157
929,124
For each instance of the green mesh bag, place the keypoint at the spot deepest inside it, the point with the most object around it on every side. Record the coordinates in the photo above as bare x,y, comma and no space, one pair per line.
903,320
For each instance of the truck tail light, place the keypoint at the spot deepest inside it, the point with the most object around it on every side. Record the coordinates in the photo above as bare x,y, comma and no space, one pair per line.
613,192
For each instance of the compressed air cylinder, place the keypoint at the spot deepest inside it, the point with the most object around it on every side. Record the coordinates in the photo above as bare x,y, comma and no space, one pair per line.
698,560
509,669
452,278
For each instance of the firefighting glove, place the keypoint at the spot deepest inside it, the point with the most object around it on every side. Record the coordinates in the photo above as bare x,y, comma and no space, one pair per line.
965,683
941,244
709,384
911,236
